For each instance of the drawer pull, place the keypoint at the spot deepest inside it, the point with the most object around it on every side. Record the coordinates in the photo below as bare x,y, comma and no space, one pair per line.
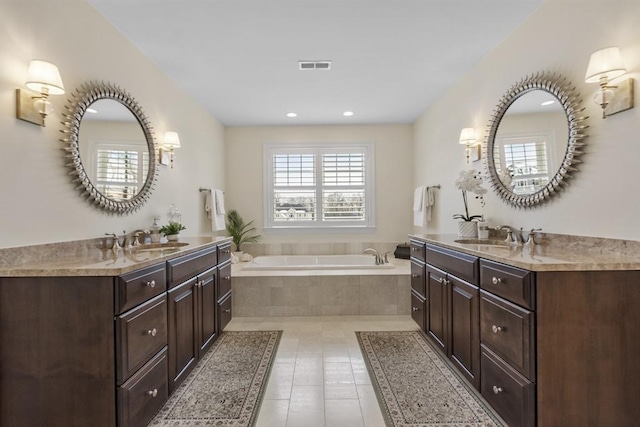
415,276
154,392
415,309
226,251
153,332
415,249
497,329
151,284
228,310
496,280
497,390
227,277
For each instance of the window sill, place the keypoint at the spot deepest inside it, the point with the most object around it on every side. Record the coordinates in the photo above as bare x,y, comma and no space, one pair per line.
313,230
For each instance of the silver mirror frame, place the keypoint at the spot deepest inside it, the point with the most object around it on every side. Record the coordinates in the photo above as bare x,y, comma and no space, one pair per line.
76,107
571,102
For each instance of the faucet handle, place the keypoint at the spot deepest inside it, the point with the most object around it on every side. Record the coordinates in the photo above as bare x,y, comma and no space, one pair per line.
531,241
115,245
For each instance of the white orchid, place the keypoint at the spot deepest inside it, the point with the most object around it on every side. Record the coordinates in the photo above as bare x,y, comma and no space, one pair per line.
469,181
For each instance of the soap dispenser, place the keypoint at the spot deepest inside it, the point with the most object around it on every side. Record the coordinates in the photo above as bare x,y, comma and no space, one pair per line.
155,231
483,229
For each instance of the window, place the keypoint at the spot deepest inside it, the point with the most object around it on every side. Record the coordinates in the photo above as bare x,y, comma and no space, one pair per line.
522,162
120,169
319,186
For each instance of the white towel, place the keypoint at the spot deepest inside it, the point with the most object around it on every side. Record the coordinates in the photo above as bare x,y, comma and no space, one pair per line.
218,216
419,207
429,201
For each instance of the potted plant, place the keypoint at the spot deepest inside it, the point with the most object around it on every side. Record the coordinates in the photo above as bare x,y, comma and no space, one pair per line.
172,230
240,231
469,181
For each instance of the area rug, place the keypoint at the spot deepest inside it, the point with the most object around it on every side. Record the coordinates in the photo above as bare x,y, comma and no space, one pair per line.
227,385
416,387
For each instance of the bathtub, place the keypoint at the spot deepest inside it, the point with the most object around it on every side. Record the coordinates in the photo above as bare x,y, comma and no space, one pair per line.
314,262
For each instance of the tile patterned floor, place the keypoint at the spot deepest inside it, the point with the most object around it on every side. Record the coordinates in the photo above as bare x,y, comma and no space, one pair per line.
319,377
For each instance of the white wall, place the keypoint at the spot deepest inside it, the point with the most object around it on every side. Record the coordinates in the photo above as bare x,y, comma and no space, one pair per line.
38,203
393,151
604,198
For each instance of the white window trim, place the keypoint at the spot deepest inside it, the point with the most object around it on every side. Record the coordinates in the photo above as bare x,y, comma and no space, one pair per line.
269,148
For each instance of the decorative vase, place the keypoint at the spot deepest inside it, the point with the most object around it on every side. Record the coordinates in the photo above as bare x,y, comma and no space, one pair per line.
467,229
173,237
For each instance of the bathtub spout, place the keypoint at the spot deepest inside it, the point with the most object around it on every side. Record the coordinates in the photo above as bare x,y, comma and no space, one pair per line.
373,252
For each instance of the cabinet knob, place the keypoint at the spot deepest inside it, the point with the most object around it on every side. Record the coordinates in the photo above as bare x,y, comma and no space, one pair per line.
154,392
415,249
151,284
497,329
228,310
497,390
153,332
496,280
227,277
415,309
226,251
415,276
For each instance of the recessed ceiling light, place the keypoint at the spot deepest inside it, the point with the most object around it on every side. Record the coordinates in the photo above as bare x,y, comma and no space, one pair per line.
91,110
292,115
547,102
348,113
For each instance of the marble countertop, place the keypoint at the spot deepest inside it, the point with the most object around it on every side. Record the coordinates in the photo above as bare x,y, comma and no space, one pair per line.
58,260
554,253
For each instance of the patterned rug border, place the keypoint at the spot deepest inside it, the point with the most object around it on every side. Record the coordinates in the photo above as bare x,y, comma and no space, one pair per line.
202,363
422,339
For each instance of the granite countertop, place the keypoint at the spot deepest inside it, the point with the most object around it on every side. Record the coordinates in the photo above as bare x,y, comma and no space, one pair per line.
86,258
553,253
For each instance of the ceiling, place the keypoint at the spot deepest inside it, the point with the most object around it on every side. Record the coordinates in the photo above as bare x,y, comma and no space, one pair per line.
390,59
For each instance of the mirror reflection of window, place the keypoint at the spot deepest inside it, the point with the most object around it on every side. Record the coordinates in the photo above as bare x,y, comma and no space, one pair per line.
522,162
120,170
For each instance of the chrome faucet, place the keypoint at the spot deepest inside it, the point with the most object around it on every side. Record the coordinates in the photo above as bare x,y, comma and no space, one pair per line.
531,241
132,239
513,235
115,246
380,259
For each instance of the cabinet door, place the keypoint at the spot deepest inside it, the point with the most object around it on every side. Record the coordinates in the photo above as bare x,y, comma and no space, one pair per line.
183,346
207,310
465,330
436,316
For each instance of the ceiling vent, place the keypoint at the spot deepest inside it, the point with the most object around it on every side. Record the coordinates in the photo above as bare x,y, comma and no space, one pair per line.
314,65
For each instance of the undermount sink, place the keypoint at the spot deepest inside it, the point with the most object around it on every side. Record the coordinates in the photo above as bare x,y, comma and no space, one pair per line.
158,247
485,242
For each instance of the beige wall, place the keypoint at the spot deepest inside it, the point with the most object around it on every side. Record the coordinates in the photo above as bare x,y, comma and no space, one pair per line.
604,198
38,203
393,146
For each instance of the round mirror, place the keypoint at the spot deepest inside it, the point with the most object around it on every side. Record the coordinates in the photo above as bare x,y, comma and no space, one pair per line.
111,147
534,139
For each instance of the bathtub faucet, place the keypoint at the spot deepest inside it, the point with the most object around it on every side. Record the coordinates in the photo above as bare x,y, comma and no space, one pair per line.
380,259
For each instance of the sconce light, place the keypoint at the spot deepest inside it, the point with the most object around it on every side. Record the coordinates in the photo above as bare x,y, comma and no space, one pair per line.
604,66
170,141
469,139
43,77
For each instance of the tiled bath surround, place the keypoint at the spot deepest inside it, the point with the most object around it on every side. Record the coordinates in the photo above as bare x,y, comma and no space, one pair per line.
327,293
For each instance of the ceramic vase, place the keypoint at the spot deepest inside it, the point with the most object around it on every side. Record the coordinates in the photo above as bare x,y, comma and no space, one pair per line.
173,237
467,229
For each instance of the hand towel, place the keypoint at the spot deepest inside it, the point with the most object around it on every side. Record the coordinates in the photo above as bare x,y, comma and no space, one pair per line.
208,203
218,216
419,207
429,202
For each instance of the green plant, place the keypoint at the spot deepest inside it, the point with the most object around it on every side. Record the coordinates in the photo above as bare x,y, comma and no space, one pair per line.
172,228
239,230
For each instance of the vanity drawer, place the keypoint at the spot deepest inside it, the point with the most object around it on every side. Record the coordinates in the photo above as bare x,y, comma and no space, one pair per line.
508,392
138,286
140,333
514,284
417,309
142,395
188,266
224,253
225,312
224,283
508,330
460,265
417,277
417,250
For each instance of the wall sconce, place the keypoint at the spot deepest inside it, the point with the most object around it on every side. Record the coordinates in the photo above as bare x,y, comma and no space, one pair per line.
604,66
170,141
469,139
43,77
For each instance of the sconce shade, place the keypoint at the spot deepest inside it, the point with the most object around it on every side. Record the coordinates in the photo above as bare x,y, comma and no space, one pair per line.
605,63
171,140
44,77
468,136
